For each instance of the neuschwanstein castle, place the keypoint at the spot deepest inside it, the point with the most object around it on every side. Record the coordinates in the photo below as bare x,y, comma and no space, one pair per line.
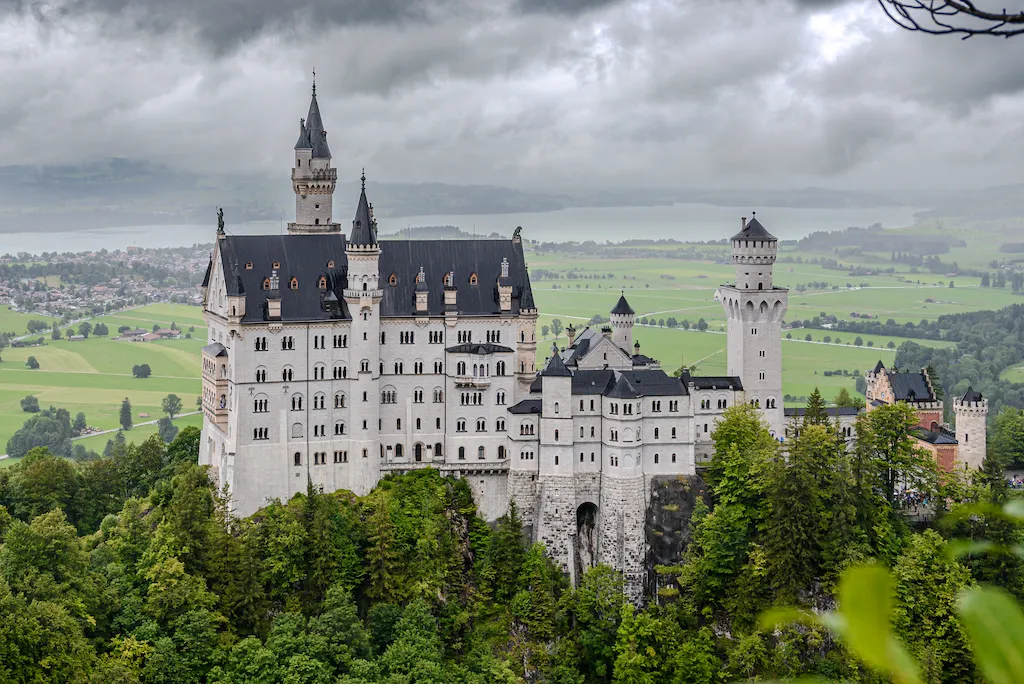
338,359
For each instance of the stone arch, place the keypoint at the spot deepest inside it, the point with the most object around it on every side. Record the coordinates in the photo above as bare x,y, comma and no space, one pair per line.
587,534
763,310
749,311
777,310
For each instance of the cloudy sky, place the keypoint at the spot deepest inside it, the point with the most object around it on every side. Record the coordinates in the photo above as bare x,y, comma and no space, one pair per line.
526,93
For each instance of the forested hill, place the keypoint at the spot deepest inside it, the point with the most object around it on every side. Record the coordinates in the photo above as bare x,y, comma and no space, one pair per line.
129,569
987,343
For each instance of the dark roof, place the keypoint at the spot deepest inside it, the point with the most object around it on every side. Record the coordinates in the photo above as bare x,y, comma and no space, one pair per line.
421,281
305,257
478,348
654,383
215,349
580,345
753,231
623,389
526,406
206,278
592,381
641,360
364,228
971,395
831,410
712,382
910,387
315,135
933,437
879,366
303,142
622,307
556,368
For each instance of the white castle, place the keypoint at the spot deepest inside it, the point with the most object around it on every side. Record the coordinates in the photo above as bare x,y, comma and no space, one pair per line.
337,359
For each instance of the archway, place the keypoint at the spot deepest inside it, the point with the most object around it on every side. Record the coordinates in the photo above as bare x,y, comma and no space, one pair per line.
586,538
418,451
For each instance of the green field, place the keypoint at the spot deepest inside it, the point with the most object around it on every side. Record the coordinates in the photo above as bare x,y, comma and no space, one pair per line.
95,375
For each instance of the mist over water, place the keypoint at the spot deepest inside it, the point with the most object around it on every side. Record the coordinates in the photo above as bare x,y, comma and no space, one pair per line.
684,222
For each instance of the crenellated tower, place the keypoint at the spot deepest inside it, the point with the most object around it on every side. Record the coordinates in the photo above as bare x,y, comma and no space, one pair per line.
971,411
622,319
754,308
313,177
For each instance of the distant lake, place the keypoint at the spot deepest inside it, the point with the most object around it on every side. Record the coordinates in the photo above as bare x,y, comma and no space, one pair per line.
680,222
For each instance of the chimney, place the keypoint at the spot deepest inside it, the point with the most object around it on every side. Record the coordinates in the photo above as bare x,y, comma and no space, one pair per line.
606,331
743,223
570,332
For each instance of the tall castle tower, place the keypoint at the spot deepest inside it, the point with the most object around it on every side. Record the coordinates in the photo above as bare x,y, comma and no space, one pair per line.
754,308
622,319
313,177
971,410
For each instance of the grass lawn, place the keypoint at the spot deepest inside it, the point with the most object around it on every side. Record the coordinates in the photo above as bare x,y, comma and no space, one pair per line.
93,376
1013,374
16,322
137,434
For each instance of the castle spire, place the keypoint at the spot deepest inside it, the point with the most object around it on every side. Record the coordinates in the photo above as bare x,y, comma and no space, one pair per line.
364,228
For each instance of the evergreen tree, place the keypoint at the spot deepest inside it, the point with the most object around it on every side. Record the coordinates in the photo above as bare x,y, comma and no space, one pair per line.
126,414
816,413
381,555
503,561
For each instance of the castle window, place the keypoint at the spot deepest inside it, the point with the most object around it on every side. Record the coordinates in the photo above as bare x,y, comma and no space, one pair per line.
330,263
316,206
480,453
673,458
294,283
266,283
248,265
297,459
655,459
276,264
462,453
316,222
501,453
323,283
472,279
392,280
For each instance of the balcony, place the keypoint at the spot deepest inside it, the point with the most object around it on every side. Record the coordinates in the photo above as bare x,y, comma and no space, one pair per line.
473,381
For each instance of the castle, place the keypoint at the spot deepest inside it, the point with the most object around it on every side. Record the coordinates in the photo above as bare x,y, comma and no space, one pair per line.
337,359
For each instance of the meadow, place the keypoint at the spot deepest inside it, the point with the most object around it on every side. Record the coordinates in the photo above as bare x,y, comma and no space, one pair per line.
94,375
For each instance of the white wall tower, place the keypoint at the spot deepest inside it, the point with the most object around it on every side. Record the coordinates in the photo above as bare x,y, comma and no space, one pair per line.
622,319
313,177
971,410
754,308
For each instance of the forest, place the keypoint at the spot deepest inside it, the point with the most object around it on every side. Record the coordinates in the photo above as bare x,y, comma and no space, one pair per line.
129,568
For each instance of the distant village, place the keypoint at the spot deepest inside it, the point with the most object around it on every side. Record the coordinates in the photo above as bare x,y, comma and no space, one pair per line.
68,285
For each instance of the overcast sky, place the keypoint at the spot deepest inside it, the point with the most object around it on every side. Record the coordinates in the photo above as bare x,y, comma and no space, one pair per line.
526,93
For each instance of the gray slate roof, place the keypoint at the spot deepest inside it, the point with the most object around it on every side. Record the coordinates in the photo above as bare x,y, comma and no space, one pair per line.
622,307
628,384
939,437
754,231
910,387
972,395
526,406
556,368
712,382
305,257
312,134
215,349
364,227
831,410
480,348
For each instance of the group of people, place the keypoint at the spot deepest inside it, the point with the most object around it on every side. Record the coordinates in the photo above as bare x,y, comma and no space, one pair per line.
1017,482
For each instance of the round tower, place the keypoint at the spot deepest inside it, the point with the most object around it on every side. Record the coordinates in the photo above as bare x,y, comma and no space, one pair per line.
971,411
753,255
622,319
313,177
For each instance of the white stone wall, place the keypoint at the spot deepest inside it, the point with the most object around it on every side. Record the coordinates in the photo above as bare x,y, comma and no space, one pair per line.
972,441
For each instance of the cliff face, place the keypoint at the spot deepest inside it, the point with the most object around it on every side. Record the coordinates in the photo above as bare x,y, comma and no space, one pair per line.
668,522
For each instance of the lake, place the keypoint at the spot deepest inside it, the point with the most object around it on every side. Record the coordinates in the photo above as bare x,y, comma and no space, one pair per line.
680,221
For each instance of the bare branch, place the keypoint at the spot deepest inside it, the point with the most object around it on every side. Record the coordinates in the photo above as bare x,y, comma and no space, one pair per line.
958,17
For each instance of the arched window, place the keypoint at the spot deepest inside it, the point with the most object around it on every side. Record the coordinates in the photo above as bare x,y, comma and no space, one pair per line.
322,283
293,283
276,264
266,283
297,459
472,279
339,400
330,263
462,453
501,453
392,280
297,430
481,453
296,402
556,435
655,459
339,428
399,451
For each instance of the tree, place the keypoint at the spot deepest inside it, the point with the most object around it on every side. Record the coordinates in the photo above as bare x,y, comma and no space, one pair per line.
935,380
30,404
84,328
556,326
172,406
702,325
985,280
156,326
891,345
141,370
126,414
55,333
808,338
166,429
953,17
815,413
843,399
80,424
859,342
32,363
100,330
544,330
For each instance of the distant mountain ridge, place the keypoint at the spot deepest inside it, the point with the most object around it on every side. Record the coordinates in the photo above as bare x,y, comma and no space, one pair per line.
124,192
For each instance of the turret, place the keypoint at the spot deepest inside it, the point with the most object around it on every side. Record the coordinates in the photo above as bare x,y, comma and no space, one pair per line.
753,255
971,411
313,178
622,320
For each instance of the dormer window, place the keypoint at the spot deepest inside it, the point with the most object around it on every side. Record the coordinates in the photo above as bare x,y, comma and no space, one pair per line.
472,279
293,284
330,263
266,283
392,280
323,283
276,265
248,265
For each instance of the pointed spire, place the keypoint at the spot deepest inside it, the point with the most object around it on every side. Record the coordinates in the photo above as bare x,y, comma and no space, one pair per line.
622,307
315,132
362,179
314,81
364,229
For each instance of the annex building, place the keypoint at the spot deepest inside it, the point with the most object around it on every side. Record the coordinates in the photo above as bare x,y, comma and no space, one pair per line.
337,358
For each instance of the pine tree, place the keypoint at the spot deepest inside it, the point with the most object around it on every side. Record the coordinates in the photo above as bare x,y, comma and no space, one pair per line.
816,413
381,555
126,414
504,556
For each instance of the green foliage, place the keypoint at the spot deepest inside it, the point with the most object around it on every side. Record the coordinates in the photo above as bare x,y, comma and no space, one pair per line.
166,429
125,415
30,404
32,363
171,405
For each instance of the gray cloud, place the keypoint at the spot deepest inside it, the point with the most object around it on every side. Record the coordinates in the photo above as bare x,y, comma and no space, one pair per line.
521,92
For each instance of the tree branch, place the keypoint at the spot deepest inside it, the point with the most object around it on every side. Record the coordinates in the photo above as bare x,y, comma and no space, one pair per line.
957,17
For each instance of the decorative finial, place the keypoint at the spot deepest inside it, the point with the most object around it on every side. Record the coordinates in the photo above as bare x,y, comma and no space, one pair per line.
363,178
314,81
753,213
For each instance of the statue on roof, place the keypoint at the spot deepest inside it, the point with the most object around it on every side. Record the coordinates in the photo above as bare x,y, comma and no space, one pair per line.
516,232
220,219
